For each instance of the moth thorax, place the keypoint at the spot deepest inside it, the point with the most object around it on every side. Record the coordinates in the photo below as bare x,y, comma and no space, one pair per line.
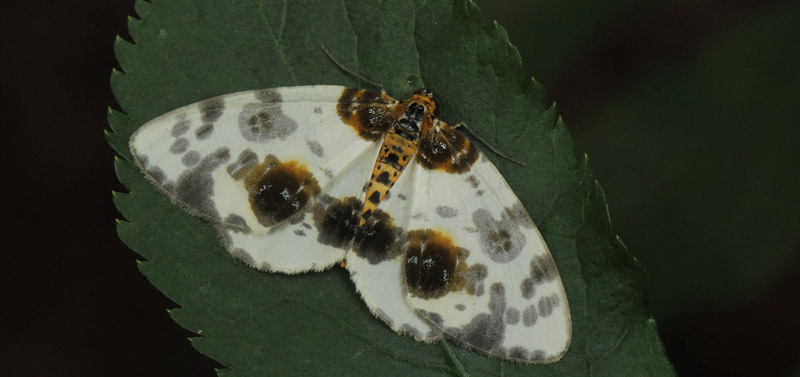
410,121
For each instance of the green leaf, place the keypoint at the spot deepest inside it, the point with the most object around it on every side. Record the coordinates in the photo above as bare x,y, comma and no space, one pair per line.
257,323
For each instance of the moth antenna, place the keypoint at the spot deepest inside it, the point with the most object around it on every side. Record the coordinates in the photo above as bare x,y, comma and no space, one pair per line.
352,72
484,142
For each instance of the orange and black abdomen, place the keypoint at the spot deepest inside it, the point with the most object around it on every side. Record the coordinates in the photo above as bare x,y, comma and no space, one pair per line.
396,151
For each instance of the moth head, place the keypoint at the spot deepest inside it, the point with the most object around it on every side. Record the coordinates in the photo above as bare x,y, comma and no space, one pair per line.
427,99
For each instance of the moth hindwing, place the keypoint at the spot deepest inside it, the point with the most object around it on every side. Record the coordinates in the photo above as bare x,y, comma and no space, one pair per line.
302,178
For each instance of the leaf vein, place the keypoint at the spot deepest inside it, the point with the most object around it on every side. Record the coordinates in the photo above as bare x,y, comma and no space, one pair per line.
275,39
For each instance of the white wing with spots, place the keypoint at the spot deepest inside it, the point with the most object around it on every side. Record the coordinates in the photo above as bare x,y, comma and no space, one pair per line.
379,278
478,269
288,144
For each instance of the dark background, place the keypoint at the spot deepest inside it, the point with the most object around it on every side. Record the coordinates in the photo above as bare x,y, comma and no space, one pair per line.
687,109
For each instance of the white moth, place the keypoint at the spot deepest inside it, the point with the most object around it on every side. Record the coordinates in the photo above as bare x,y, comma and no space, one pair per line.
302,178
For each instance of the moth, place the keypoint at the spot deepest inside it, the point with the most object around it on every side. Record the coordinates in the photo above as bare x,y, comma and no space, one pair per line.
302,178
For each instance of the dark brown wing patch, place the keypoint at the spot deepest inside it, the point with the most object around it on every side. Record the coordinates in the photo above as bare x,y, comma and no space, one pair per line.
277,190
370,113
444,148
433,264
337,221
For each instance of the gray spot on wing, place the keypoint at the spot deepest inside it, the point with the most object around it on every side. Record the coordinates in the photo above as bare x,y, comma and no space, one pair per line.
237,221
315,147
519,216
543,268
518,353
247,159
529,316
473,181
242,255
156,174
195,186
546,305
501,240
446,212
212,109
528,288
474,278
299,232
410,331
204,131
179,146
512,316
180,128
261,122
191,158
485,331
538,355
460,307
401,197
317,110
268,96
